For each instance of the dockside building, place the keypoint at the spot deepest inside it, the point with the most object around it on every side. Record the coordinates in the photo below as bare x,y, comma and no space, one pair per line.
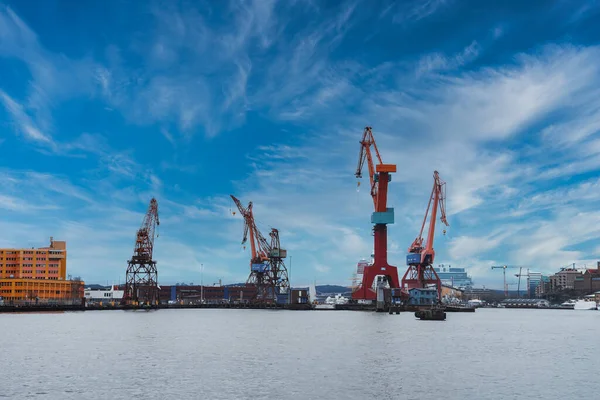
37,275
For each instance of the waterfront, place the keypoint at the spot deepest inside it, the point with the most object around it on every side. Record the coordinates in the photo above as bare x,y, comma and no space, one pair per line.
263,354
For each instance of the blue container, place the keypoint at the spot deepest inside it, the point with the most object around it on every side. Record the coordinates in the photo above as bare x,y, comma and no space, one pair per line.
413,259
386,217
258,267
173,293
226,293
282,298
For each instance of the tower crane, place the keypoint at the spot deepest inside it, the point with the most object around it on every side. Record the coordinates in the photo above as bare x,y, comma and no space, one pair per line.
420,272
267,270
519,275
141,278
504,267
379,176
528,276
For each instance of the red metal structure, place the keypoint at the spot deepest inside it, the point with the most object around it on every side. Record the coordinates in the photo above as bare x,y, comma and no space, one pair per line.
420,272
379,176
267,270
141,281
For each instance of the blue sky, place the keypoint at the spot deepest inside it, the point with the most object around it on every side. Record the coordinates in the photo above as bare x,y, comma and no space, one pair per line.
106,104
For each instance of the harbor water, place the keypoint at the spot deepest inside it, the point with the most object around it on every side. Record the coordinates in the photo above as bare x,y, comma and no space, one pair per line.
264,354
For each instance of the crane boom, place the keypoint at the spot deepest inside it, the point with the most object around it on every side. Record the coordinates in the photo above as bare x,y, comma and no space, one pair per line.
144,243
438,198
258,244
420,257
365,155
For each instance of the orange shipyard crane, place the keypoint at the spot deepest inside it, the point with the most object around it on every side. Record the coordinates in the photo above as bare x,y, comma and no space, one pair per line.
258,244
420,272
379,176
267,270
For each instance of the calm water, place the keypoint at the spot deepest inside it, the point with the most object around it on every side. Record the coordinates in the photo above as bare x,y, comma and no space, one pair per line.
260,354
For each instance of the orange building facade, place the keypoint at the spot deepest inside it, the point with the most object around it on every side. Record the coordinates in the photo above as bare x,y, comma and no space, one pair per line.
37,274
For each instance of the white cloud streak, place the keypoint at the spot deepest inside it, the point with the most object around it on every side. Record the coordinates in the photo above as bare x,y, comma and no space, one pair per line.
417,10
24,125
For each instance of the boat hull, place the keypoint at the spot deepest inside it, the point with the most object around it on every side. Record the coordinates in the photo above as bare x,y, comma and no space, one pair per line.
431,315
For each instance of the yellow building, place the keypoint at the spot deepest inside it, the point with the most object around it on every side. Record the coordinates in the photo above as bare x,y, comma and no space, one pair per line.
451,292
37,274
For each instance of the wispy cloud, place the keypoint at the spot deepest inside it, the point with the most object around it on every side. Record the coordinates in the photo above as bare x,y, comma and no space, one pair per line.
417,10
54,78
438,62
586,9
187,92
14,204
24,125
498,32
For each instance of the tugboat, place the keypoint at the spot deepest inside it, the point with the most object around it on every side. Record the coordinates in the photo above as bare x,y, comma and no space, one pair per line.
435,313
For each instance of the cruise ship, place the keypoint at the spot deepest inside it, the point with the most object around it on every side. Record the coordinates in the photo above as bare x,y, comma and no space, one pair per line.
455,277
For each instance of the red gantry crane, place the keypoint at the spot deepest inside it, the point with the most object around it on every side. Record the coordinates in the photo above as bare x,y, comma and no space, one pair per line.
379,177
141,280
420,272
267,270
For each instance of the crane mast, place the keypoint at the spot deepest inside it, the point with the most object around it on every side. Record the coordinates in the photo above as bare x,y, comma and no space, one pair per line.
420,258
379,177
267,269
141,279
504,268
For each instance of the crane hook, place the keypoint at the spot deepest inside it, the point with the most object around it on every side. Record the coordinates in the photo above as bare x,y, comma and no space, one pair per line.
444,232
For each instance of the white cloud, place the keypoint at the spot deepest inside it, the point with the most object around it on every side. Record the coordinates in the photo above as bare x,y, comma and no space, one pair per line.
439,62
54,78
14,204
25,126
417,10
472,246
571,225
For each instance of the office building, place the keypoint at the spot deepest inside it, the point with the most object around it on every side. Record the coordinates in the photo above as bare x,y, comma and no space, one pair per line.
37,274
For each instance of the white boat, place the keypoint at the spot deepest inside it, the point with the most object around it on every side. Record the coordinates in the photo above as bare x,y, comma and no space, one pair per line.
324,306
585,305
569,304
475,303
337,299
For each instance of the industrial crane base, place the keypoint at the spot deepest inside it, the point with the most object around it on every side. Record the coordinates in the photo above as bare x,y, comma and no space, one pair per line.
365,291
